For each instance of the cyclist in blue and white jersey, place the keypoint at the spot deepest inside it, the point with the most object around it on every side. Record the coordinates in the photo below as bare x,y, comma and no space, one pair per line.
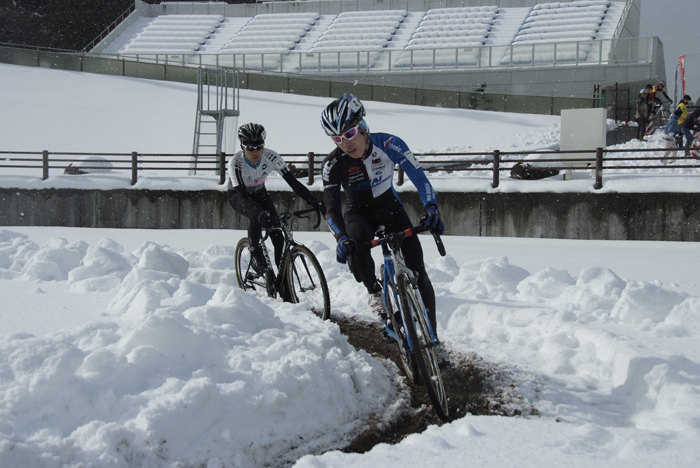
362,165
248,170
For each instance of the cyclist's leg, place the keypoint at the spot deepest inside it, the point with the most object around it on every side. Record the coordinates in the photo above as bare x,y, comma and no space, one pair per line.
688,139
265,202
360,229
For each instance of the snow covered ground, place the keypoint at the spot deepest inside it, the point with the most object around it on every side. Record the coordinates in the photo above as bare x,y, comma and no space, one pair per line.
133,348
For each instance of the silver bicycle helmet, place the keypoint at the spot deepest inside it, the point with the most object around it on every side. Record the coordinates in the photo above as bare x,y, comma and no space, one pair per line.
342,114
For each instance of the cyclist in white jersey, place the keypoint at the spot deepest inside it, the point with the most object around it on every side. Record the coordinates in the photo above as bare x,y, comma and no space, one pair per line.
247,172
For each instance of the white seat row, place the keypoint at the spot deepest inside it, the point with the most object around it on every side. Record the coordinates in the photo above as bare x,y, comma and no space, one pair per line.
353,35
552,38
463,33
590,11
455,22
356,42
364,19
374,13
188,19
580,3
170,39
307,14
462,10
365,25
563,27
250,32
561,22
475,28
435,42
273,23
258,44
447,16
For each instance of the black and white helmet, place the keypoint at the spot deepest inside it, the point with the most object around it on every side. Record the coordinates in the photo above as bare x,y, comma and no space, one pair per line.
342,114
251,134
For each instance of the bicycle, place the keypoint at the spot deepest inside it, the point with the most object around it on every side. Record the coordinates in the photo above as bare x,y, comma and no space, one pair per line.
658,118
300,277
408,323
675,145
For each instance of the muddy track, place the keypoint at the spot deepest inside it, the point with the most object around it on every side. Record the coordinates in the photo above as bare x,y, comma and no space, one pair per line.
468,383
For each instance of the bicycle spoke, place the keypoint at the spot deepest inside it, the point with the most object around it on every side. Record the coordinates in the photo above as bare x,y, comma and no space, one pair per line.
306,281
394,314
423,346
245,275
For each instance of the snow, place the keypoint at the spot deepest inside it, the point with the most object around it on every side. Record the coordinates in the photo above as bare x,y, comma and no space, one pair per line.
129,348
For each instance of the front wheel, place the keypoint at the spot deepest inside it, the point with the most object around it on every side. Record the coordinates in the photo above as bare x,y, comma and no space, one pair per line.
307,283
418,332
393,311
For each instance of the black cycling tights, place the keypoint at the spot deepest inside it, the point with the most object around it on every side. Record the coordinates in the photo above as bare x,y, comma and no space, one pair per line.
361,227
263,199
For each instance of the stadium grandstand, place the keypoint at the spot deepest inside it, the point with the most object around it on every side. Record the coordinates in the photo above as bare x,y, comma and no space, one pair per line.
574,49
510,55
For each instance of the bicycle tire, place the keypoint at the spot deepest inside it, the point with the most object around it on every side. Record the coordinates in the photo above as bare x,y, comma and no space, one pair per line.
392,307
307,283
423,349
243,268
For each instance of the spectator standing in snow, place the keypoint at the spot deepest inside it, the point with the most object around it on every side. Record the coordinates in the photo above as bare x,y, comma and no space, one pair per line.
642,113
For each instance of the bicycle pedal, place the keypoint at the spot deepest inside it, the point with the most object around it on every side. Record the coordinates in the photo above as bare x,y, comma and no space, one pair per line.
387,338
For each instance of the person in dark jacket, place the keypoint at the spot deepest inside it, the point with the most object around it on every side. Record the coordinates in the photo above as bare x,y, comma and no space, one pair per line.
689,126
642,114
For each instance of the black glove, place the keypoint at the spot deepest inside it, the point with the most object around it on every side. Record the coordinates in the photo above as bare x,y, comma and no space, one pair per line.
345,248
319,205
432,219
265,219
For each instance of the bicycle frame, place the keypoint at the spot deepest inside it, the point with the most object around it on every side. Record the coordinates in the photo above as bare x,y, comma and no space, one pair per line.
289,242
394,266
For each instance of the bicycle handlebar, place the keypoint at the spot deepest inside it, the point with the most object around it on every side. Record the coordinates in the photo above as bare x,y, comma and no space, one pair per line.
396,236
300,214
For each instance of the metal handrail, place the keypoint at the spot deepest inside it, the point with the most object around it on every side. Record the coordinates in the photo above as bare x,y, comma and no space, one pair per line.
113,25
309,164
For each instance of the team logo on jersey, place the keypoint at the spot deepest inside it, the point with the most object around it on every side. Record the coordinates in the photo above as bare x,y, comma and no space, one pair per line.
264,167
352,170
389,144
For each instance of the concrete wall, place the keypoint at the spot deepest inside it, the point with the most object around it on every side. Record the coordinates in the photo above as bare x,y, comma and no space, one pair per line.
612,216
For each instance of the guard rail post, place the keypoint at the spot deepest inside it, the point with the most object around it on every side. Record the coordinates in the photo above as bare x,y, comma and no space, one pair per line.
598,169
45,164
400,181
311,168
222,168
134,167
496,167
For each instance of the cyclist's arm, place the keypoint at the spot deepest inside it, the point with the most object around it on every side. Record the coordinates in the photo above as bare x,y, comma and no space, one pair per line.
415,173
299,188
332,199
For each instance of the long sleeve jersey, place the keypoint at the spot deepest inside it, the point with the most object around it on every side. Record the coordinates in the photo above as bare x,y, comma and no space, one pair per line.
245,178
368,181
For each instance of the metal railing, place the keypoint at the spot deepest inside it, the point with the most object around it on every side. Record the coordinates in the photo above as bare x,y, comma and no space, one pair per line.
309,165
111,27
556,54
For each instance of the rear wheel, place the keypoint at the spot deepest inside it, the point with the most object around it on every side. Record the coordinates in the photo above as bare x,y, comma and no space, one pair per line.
423,347
245,275
307,283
